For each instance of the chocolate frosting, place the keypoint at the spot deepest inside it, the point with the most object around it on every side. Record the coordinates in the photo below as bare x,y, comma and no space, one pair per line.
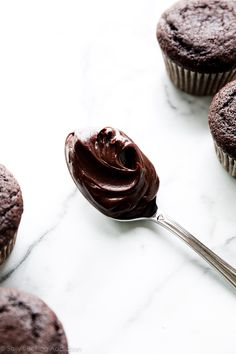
113,173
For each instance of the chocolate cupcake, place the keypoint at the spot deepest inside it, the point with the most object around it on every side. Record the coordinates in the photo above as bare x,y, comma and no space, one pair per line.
222,124
11,208
28,325
198,41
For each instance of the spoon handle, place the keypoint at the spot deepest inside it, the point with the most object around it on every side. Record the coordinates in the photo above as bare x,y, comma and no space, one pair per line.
219,264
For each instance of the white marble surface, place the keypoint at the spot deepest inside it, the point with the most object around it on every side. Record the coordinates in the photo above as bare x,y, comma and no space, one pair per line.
117,288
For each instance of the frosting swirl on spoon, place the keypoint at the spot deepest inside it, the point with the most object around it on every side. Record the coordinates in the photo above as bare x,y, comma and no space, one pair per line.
112,173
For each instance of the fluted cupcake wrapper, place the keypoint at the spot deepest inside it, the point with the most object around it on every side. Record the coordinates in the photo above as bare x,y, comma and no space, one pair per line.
6,250
226,161
196,83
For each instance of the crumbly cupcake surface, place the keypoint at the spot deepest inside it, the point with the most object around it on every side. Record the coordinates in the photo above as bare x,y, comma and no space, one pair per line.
200,35
11,206
222,120
28,325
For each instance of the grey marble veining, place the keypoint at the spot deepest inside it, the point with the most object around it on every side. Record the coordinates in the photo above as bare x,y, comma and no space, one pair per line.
117,288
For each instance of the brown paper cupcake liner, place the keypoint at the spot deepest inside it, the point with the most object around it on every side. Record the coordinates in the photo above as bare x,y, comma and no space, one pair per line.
196,83
226,161
6,250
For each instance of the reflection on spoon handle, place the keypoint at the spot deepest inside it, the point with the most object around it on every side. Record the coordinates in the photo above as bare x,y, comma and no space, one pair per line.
221,266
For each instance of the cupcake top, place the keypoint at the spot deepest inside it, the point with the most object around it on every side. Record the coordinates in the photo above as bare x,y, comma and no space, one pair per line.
112,173
27,325
11,206
222,119
200,35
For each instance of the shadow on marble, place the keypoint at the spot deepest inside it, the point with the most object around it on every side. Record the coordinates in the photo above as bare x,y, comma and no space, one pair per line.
188,107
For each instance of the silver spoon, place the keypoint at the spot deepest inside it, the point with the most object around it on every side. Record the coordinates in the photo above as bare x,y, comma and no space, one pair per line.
213,259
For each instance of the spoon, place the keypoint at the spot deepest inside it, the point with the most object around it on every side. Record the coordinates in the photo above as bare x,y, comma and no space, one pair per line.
212,258
99,164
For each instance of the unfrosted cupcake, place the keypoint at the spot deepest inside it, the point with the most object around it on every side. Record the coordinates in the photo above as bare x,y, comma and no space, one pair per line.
28,325
222,124
198,41
11,208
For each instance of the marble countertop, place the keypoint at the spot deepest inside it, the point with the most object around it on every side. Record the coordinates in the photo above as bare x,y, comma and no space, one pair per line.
117,288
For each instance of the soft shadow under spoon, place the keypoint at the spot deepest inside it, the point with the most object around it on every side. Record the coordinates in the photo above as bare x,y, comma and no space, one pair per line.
117,178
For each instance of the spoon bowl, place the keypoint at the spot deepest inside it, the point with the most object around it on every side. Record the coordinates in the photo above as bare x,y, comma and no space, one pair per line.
159,218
